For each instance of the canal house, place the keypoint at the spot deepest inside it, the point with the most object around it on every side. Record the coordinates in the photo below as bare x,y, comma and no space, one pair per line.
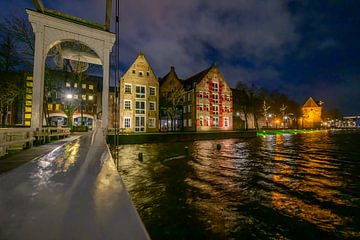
207,102
171,102
139,98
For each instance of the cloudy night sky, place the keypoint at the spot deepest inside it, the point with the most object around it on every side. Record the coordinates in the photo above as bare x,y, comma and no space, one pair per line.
300,48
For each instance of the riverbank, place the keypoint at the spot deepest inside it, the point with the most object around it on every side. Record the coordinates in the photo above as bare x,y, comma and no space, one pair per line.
177,136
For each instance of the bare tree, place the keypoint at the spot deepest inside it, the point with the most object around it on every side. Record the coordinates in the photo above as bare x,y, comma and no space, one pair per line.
170,102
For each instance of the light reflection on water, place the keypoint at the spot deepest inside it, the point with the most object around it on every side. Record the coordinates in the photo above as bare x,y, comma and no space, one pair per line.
282,186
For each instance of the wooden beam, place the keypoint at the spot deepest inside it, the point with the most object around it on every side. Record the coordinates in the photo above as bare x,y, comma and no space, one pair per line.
108,14
39,5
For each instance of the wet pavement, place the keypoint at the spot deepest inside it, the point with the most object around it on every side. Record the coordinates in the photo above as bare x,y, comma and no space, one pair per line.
72,192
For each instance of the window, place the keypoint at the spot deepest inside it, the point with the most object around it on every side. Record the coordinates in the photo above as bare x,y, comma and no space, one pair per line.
91,97
189,96
215,87
141,73
152,122
83,97
91,87
67,84
152,91
57,107
228,97
201,94
201,121
207,107
75,85
185,122
189,108
152,106
184,98
140,92
127,104
133,71
127,122
83,85
215,97
76,96
189,122
140,107
215,109
127,88
147,74
226,122
201,107
50,107
215,121
184,109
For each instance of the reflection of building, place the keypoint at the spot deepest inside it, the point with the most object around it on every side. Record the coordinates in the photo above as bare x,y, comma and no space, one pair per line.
139,98
171,87
311,111
81,93
207,102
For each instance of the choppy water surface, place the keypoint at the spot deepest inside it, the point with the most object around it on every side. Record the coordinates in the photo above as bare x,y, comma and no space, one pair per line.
304,186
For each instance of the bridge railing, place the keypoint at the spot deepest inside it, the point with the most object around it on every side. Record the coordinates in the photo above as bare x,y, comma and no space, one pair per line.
15,139
21,138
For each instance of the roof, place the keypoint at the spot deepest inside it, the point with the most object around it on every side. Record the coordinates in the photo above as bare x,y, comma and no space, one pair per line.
311,103
172,72
197,77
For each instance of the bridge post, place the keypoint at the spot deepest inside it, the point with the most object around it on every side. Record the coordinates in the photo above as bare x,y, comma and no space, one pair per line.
38,77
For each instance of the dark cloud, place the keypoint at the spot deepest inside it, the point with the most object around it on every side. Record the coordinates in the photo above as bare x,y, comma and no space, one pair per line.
303,48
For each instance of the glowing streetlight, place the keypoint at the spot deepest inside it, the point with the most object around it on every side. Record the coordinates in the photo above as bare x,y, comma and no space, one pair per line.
69,96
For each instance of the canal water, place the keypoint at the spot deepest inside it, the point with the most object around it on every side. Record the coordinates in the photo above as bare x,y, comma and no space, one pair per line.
300,186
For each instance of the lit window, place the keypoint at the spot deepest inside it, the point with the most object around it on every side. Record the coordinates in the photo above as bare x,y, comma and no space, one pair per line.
152,91
76,96
215,87
189,108
127,122
67,84
83,97
152,122
91,87
127,88
91,97
226,122
83,85
189,96
215,109
152,106
57,107
215,121
185,122
189,122
50,107
201,121
184,109
127,104
140,107
75,85
140,92
29,84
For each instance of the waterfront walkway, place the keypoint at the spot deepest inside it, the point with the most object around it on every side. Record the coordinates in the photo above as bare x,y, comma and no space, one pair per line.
71,191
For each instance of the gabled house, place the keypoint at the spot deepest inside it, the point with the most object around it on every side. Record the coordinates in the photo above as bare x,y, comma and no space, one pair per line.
207,102
171,99
139,98
311,114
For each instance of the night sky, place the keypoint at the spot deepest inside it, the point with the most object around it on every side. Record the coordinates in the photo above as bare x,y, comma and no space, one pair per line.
301,48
